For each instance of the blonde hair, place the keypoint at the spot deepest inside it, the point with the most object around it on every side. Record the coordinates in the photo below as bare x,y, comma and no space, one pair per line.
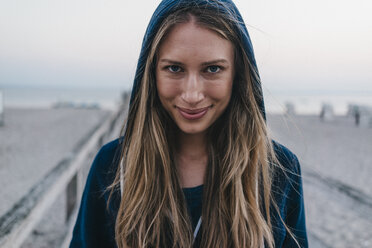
237,187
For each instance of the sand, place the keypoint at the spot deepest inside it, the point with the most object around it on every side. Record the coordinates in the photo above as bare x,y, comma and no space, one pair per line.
33,141
336,149
336,162
58,133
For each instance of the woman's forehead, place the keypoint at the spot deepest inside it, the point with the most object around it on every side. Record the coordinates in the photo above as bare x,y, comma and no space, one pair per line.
192,40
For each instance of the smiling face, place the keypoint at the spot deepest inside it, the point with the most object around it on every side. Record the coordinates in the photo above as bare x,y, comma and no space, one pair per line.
194,76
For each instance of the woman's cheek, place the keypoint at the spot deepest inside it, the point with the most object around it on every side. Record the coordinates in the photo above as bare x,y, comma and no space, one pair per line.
168,89
219,90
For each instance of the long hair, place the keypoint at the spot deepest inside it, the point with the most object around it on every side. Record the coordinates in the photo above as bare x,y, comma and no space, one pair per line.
237,186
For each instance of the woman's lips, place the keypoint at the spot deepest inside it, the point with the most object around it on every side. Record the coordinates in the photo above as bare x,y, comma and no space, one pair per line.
193,114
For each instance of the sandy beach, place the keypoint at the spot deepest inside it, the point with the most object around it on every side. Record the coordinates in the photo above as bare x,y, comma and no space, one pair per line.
33,141
336,149
335,158
336,162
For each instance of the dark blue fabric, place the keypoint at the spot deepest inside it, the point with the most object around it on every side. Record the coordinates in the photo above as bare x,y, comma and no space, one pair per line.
194,202
95,223
94,227
288,195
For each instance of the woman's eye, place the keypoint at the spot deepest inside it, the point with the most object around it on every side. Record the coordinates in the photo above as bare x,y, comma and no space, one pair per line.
213,69
174,68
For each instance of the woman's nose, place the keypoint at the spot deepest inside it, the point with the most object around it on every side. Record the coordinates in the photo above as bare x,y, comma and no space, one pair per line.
193,90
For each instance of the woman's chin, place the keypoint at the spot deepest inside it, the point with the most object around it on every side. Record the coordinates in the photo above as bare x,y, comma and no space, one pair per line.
192,130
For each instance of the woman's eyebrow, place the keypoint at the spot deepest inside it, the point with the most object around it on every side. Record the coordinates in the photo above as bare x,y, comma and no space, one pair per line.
170,62
216,61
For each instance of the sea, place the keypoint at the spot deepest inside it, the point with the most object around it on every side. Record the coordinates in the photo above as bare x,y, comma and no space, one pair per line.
47,97
305,102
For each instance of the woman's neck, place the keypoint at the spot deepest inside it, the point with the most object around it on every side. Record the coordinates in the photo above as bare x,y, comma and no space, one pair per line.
192,159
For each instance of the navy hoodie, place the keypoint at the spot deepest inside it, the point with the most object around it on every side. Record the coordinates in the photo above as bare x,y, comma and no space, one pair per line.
95,223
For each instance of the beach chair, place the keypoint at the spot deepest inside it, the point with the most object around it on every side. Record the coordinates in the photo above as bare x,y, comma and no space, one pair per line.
327,113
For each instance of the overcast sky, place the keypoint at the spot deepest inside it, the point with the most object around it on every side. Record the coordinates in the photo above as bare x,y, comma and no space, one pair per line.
299,45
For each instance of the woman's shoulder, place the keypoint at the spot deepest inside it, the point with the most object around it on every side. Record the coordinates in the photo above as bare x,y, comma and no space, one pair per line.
289,168
105,164
287,179
110,151
288,194
96,219
108,156
287,159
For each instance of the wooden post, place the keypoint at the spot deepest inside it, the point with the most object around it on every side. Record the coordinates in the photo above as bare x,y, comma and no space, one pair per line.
71,197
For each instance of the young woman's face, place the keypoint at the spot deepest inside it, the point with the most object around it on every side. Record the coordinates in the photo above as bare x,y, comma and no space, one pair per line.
194,76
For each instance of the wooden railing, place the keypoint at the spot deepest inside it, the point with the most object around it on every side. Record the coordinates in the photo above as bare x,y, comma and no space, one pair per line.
17,224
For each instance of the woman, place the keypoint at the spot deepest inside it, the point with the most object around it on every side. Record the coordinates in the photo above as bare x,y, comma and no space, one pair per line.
194,166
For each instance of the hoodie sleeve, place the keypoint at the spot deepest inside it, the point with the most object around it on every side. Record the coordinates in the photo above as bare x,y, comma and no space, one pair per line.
289,196
95,222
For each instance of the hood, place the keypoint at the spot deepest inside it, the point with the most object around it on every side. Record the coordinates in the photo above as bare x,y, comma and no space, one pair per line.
167,7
